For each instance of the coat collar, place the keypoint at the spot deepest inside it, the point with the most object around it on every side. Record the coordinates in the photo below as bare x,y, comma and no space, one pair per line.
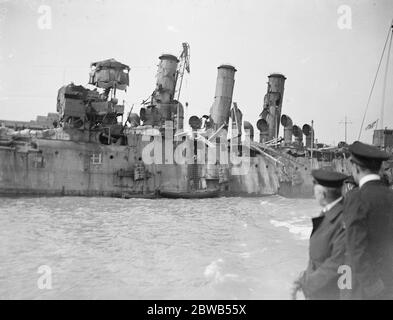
316,222
333,213
330,215
368,178
371,182
331,204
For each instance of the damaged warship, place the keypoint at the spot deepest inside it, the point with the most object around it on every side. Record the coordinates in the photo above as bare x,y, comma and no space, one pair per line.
91,148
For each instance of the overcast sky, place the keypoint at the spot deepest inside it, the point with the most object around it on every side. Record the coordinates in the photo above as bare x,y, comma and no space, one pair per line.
329,70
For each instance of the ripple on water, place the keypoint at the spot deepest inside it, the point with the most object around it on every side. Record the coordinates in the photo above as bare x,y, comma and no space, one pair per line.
225,248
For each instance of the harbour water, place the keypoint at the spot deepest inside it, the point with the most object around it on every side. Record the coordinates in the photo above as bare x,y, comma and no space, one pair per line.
105,248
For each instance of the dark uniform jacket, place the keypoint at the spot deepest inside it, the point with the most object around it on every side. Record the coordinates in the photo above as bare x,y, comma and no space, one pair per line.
327,245
368,220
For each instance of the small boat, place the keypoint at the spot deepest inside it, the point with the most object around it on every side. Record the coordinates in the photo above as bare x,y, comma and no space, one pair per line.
139,196
197,194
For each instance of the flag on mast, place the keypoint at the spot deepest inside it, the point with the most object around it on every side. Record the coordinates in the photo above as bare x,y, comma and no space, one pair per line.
372,125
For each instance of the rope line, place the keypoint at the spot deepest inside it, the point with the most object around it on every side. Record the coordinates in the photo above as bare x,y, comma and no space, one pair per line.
385,80
375,80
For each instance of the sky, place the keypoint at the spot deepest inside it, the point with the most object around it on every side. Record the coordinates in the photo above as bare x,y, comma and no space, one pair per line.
329,59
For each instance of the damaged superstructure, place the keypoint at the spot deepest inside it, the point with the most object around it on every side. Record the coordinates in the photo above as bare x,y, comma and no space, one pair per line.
93,149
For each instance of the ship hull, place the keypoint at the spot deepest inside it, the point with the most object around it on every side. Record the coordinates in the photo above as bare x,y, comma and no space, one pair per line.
71,168
191,195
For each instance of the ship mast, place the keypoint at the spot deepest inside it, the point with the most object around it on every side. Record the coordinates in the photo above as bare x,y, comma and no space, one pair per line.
345,123
386,76
389,38
184,66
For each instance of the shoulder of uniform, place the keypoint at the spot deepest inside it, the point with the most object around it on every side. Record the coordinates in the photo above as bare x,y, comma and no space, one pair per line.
335,214
352,197
358,206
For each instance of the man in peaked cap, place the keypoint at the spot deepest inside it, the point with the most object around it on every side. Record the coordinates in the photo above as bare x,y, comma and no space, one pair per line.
327,241
368,220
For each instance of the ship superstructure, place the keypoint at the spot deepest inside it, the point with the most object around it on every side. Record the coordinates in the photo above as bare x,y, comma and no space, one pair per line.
91,148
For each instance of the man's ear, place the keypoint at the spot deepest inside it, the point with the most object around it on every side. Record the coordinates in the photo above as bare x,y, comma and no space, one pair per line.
354,167
324,194
357,167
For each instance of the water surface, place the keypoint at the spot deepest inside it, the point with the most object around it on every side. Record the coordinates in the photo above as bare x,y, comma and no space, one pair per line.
96,248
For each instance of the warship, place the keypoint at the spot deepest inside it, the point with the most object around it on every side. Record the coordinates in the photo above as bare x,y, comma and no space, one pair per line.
92,147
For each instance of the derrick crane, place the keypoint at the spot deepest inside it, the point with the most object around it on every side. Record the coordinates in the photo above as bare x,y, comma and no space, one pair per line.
184,65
